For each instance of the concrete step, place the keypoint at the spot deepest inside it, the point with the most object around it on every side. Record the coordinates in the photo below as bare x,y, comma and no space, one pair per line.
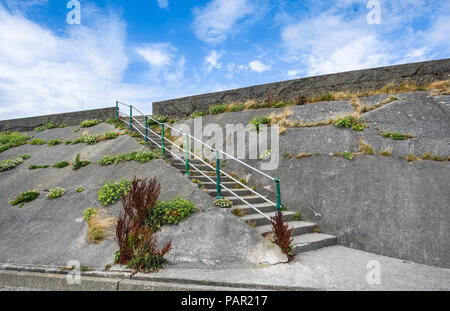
202,178
252,199
239,192
195,173
259,220
263,207
300,227
202,167
312,241
212,185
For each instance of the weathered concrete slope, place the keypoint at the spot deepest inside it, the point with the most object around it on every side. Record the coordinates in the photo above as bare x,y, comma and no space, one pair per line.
379,204
52,232
352,81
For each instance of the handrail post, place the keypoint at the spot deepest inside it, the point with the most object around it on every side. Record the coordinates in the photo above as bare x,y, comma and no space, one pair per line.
117,109
146,129
219,186
277,181
162,141
131,118
187,156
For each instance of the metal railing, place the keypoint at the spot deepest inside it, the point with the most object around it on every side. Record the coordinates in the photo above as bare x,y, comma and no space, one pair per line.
133,123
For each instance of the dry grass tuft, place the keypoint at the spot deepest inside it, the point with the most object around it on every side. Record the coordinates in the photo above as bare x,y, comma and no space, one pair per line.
387,152
365,148
282,119
303,155
411,158
98,226
439,87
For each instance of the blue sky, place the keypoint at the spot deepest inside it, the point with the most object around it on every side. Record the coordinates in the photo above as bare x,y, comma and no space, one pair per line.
143,51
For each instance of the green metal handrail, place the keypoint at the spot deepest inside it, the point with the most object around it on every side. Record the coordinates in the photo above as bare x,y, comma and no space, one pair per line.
219,185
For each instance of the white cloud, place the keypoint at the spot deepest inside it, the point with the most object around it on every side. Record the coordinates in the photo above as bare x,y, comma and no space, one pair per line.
257,66
163,4
212,61
218,18
293,73
157,54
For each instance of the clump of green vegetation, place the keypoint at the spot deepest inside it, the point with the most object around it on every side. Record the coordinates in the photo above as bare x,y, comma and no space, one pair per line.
265,155
56,193
10,139
350,121
54,142
68,142
298,217
88,213
9,164
223,203
173,211
25,197
35,167
90,139
396,136
112,191
237,107
346,154
138,156
430,157
77,141
47,126
89,123
197,115
79,164
116,122
196,181
259,120
111,135
217,109
61,164
80,189
154,119
37,142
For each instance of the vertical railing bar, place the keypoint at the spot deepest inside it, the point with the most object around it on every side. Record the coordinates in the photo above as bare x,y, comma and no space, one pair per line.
162,141
219,184
187,156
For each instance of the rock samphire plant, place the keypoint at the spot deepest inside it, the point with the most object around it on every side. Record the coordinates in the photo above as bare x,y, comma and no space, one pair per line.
223,203
25,197
112,191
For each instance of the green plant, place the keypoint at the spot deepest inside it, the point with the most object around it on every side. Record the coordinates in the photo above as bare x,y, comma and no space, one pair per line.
54,142
78,141
37,142
9,164
80,189
90,139
156,117
297,217
88,213
112,191
68,142
116,122
56,193
259,120
396,136
10,139
265,155
25,197
358,127
237,107
89,123
217,109
173,211
223,203
138,156
350,121
111,135
79,164
47,126
61,164
197,114
35,167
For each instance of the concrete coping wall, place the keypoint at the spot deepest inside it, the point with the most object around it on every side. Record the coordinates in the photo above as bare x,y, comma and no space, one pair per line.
69,118
353,81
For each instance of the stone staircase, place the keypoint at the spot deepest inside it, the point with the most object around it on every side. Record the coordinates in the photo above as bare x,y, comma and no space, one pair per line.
305,234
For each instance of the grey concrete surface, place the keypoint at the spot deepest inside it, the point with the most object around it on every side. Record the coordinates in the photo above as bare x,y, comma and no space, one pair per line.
70,118
353,81
52,232
379,204
331,268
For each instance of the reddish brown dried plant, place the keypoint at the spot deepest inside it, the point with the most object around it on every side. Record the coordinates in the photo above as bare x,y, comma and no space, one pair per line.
282,235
